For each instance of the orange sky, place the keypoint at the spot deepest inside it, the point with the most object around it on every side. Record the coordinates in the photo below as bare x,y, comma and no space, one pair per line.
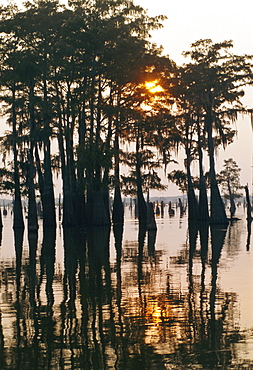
219,20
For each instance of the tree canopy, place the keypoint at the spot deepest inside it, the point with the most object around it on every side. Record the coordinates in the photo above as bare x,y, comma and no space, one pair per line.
78,78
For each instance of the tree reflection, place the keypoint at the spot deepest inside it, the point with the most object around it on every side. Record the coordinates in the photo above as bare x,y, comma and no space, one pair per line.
207,335
118,237
33,244
70,237
18,243
151,242
141,240
134,312
47,263
218,355
2,352
119,342
248,234
100,296
204,236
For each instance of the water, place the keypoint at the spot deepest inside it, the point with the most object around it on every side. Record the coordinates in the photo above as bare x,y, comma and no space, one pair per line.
169,300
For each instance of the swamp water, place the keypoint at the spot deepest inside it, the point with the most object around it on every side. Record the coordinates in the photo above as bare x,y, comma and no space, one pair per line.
176,299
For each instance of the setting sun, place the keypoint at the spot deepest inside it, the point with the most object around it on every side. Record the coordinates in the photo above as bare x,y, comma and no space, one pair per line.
153,87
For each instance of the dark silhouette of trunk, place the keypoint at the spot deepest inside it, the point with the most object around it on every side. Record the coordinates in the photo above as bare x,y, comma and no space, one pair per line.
203,214
218,214
106,195
70,161
151,222
1,221
192,201
49,215
69,214
39,172
248,233
248,204
80,204
162,209
181,207
232,202
99,213
118,207
48,203
142,207
32,208
118,236
18,221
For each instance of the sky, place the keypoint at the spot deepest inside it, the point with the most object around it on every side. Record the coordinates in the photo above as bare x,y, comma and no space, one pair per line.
219,20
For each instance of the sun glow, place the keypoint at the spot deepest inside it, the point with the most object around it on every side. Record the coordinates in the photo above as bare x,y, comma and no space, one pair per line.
153,86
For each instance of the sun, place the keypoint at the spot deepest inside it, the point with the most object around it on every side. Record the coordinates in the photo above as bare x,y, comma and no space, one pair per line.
153,86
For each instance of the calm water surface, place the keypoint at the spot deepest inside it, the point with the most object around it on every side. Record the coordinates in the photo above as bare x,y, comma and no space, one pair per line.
181,298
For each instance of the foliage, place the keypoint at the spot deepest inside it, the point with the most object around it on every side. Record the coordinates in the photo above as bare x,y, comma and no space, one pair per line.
179,178
230,177
74,77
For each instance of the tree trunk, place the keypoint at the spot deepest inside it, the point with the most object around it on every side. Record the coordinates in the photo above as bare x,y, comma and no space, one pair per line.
151,222
203,214
80,197
118,207
218,214
249,217
69,214
232,202
142,206
32,208
99,215
106,195
49,215
192,201
18,221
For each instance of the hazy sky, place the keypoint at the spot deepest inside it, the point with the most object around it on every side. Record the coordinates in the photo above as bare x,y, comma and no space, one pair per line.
189,21
218,20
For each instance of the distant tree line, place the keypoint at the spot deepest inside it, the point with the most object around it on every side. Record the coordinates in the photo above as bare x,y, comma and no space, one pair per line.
74,88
